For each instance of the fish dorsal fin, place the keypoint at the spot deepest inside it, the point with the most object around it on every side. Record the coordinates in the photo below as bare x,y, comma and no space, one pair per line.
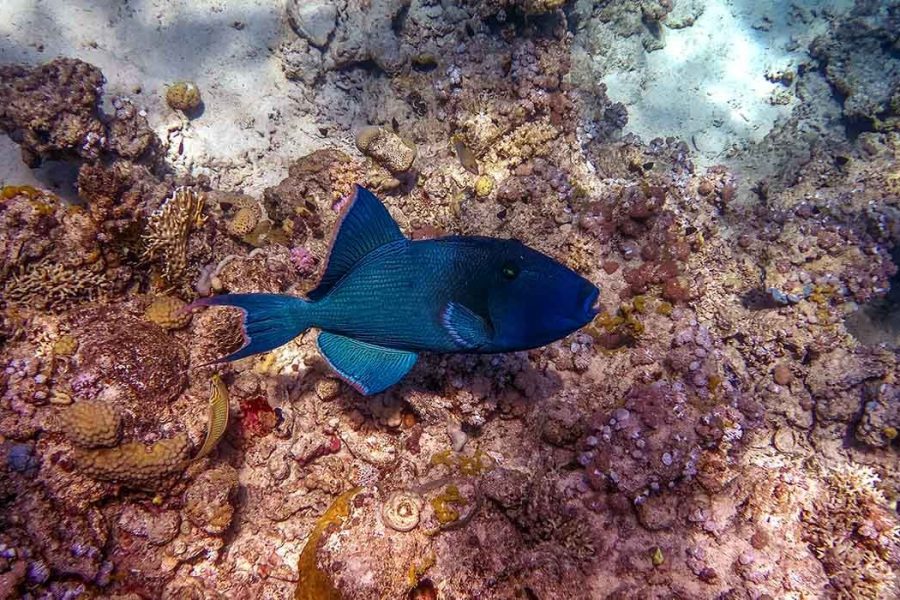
367,367
467,328
364,226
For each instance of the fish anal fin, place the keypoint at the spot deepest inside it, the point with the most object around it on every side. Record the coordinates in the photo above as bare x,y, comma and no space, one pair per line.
367,367
364,225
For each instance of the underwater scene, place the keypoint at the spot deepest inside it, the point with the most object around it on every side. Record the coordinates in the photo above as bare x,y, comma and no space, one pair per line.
449,299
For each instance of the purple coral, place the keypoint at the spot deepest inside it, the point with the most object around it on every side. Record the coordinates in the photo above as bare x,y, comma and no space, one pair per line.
303,261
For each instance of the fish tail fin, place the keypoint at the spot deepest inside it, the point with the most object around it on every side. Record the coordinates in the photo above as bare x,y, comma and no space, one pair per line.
270,320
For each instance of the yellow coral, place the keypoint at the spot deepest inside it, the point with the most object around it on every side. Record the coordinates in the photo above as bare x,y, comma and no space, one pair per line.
443,511
135,464
11,191
183,96
65,345
166,236
244,221
484,185
91,424
168,313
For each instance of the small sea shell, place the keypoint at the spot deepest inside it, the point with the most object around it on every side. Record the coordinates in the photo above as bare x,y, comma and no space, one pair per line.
401,511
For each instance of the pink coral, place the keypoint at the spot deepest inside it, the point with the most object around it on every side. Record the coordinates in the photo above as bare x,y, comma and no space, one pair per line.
304,261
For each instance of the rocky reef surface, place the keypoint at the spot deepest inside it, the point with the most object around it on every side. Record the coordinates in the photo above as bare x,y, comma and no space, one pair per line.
726,428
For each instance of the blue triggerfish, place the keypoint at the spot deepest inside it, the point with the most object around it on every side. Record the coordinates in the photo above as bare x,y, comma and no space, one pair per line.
383,299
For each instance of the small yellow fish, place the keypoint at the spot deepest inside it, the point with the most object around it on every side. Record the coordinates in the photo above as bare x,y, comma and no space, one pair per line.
218,417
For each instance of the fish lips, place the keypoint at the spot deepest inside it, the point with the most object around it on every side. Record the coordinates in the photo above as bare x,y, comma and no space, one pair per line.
592,302
588,308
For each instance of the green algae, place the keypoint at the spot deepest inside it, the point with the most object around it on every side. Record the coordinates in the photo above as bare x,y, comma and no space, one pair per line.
444,505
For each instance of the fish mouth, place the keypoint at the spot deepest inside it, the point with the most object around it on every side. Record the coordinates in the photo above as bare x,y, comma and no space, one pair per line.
591,306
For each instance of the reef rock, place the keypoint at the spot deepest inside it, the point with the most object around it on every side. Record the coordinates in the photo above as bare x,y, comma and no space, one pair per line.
52,110
314,20
386,148
209,500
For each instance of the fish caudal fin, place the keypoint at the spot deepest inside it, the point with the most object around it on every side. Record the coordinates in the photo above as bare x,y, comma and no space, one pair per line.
368,368
270,320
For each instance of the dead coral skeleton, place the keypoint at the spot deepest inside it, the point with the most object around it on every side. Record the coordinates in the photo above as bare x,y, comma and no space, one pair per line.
166,236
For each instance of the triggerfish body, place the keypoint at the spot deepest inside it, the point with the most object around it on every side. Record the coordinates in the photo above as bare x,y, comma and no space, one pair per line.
383,299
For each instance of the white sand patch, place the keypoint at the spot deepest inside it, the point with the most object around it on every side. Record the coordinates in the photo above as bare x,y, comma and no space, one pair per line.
708,86
249,129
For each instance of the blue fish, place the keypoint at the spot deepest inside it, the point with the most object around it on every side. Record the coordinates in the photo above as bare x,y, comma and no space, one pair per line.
383,299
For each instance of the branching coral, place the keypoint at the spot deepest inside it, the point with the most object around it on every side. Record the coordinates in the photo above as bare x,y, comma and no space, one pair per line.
853,533
54,286
166,236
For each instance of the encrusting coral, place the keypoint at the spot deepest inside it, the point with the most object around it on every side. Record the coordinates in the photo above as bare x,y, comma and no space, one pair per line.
136,464
91,424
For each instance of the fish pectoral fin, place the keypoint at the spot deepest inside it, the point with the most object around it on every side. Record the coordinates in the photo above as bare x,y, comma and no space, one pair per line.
367,367
467,328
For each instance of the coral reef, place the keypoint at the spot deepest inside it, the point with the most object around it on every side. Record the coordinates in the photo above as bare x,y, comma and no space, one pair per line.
725,428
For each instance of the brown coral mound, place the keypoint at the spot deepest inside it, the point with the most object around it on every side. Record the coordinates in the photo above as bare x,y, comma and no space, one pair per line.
127,358
91,424
136,464
52,110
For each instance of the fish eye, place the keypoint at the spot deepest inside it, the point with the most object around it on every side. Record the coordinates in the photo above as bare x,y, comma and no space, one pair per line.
510,271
